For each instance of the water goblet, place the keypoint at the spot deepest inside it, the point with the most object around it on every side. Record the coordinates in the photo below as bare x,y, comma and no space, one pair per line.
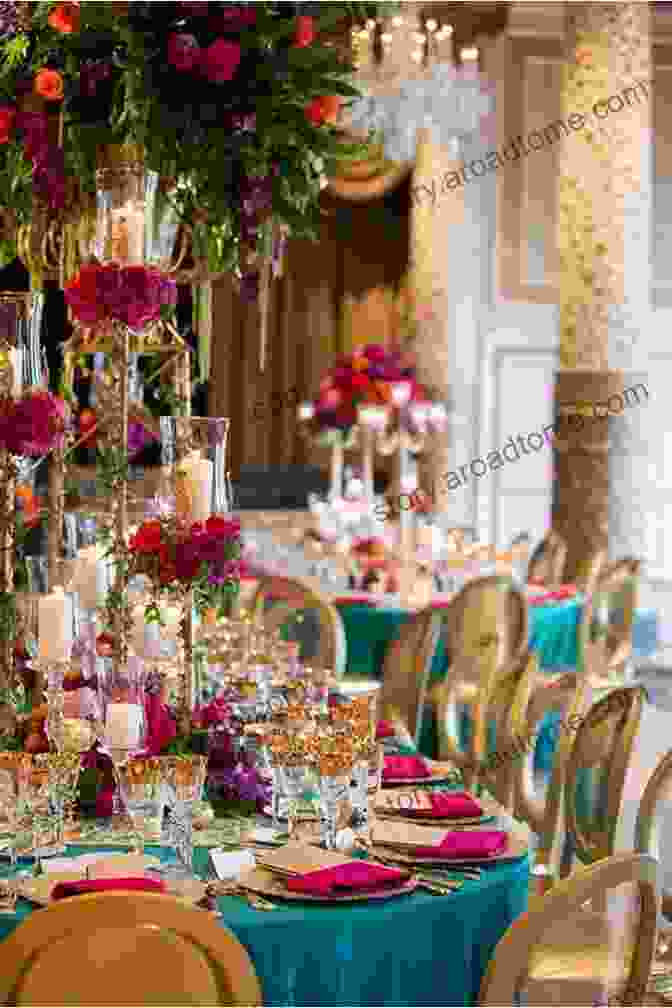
63,771
335,771
142,788
185,778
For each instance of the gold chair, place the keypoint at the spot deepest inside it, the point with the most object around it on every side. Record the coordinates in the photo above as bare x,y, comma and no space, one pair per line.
125,948
537,695
614,602
292,594
561,953
602,759
406,671
485,633
548,561
511,740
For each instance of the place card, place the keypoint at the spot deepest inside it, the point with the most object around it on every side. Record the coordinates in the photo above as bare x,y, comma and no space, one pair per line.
230,864
299,859
403,834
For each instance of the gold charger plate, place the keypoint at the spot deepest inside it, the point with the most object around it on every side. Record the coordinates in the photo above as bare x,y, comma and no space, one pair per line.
264,883
518,847
39,890
491,810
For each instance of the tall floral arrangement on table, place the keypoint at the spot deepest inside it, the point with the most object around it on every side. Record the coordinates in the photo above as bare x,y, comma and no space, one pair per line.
234,103
202,557
363,377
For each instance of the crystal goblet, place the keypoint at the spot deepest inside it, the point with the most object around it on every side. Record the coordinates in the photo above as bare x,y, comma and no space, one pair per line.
185,779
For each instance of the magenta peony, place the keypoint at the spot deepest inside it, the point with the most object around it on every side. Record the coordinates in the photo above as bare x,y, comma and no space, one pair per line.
220,61
33,424
183,51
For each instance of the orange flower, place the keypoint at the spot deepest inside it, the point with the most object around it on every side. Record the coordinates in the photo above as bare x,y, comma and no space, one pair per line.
48,84
65,18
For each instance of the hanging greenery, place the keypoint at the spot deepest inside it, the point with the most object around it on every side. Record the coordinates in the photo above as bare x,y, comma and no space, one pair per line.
235,103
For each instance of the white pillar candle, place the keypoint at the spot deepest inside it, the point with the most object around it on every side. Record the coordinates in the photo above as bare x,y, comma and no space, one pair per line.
201,488
55,626
92,577
128,234
145,637
122,725
16,358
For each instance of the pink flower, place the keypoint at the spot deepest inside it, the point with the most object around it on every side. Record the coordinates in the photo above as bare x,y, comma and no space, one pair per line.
220,61
34,424
183,51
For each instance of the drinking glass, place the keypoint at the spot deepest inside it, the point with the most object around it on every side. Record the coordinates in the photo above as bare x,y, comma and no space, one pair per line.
335,764
63,777
143,790
185,778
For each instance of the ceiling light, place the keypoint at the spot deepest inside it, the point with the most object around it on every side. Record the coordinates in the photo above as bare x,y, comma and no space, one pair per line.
432,25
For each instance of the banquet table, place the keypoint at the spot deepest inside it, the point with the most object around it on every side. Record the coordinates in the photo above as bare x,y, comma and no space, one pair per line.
418,949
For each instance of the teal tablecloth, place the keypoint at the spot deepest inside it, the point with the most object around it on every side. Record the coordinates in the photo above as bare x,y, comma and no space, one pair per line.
416,950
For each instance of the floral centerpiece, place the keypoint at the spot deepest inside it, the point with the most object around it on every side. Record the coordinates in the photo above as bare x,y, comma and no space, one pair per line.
247,142
203,558
363,377
32,425
133,295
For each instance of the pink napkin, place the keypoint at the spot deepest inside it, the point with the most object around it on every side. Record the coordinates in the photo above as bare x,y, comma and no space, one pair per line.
65,889
560,595
384,729
357,876
404,767
466,844
459,805
352,600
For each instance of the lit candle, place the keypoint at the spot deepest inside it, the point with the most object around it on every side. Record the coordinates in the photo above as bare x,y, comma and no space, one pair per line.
55,626
128,234
16,359
145,637
123,725
197,474
92,577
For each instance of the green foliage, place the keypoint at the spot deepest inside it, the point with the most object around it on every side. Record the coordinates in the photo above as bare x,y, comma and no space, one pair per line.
192,139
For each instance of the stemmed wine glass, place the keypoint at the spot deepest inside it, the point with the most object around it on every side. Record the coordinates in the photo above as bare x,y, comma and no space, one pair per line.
185,779
143,789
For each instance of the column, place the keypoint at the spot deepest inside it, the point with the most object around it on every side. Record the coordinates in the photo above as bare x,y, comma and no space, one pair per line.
435,217
604,203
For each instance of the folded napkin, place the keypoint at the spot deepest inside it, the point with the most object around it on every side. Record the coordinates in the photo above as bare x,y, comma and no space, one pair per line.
459,805
65,889
404,767
562,593
356,876
353,600
466,844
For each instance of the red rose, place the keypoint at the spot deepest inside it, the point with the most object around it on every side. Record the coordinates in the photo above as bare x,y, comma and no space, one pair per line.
183,51
314,113
305,32
7,117
148,538
220,61
222,528
64,18
324,109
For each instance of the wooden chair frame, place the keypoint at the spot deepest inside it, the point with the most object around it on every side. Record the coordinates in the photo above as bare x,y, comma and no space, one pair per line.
630,701
333,654
407,668
550,555
509,966
84,914
646,841
494,668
